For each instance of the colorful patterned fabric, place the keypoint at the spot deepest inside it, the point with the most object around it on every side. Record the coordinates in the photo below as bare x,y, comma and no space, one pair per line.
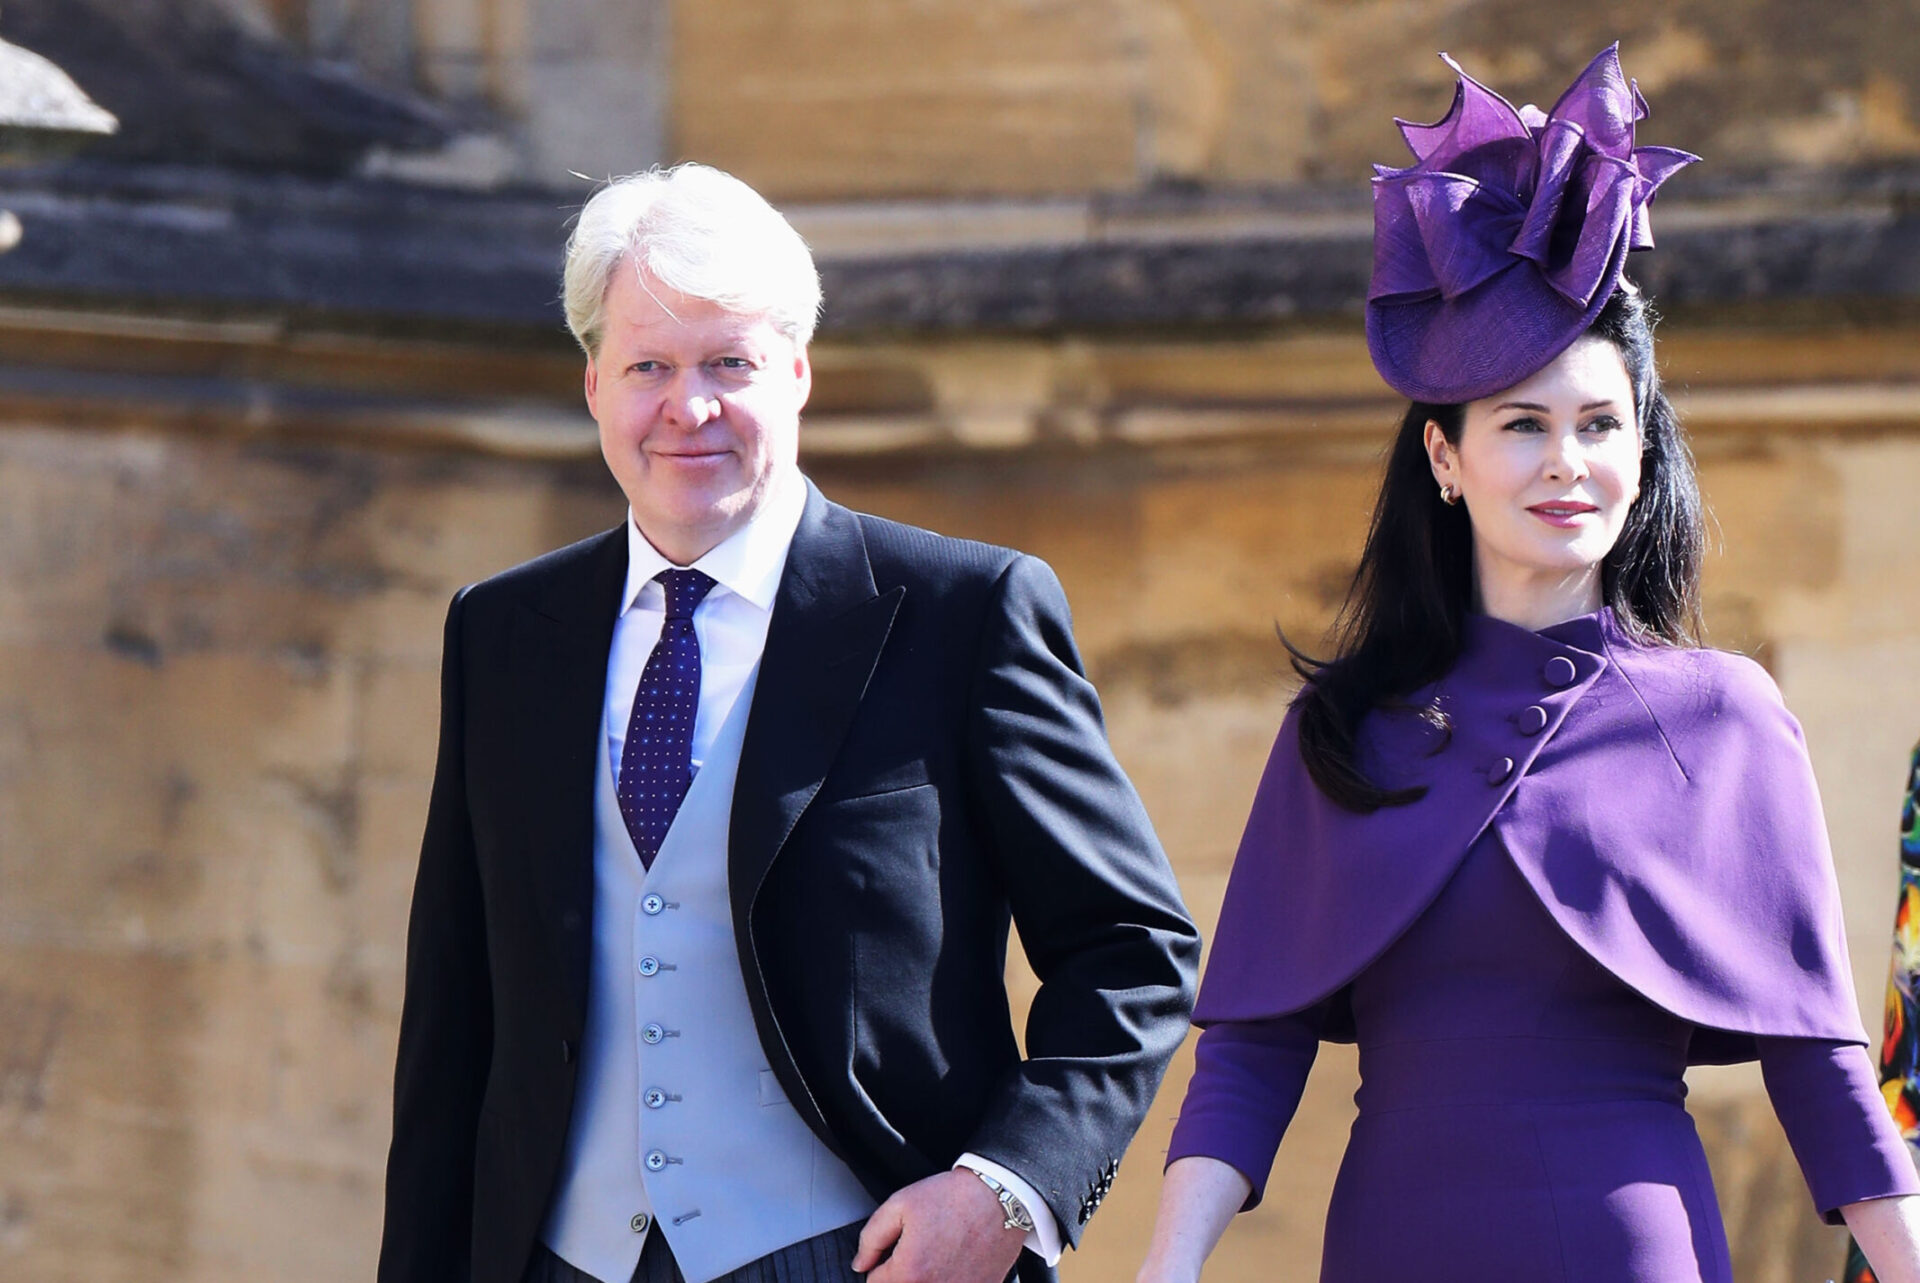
1900,1048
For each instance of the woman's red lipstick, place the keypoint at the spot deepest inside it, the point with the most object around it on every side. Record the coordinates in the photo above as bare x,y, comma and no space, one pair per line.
1564,514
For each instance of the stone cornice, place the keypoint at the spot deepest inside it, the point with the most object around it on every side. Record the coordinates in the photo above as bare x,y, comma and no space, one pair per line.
393,315
390,256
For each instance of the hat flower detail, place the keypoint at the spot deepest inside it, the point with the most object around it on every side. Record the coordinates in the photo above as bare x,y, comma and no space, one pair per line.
1511,204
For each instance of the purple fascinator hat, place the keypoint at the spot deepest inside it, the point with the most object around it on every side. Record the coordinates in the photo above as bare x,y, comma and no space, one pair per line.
1498,247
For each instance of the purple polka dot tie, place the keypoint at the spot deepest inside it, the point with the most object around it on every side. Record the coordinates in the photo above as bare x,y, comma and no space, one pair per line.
656,768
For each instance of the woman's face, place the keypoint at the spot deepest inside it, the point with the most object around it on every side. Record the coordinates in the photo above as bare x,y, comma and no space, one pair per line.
1547,470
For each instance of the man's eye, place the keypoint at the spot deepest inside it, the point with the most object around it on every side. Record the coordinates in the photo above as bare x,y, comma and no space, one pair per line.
735,363
645,367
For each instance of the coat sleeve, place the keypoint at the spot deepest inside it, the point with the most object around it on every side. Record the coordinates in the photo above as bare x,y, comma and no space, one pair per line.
1836,1120
446,1022
1097,909
1246,1087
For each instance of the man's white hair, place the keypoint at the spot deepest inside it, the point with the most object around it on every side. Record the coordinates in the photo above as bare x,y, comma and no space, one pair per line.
699,232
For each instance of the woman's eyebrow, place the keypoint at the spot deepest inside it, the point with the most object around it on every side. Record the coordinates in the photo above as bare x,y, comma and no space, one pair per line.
1541,409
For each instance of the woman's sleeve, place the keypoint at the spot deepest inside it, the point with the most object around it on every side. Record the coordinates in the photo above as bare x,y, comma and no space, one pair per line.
1829,1104
1247,1080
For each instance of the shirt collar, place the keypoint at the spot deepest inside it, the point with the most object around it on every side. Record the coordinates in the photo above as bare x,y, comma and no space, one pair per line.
747,562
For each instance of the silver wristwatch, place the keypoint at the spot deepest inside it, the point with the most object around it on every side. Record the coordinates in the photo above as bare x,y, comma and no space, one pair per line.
1018,1217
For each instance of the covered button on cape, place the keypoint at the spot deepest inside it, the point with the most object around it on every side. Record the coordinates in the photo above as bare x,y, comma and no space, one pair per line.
1658,800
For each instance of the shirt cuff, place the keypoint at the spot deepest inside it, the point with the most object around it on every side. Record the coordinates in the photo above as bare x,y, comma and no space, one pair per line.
1044,1239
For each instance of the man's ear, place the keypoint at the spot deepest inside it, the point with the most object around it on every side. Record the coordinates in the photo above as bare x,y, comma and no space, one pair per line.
803,374
593,389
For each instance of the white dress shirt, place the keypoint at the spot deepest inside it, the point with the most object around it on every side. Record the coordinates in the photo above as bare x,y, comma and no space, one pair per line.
730,624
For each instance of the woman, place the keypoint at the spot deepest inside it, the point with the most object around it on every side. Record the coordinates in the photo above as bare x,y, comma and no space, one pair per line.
1522,839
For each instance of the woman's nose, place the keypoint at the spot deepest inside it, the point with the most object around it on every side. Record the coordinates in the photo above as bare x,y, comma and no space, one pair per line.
1566,461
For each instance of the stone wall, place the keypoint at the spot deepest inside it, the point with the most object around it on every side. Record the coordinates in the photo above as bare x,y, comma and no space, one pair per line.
856,99
218,646
853,99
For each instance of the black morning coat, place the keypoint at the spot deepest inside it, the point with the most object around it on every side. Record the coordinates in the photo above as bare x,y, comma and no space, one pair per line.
924,760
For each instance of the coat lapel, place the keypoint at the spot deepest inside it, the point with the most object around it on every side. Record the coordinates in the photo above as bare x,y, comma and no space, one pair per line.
557,678
829,625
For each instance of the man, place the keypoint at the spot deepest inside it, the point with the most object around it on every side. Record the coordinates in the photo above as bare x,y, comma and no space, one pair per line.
732,809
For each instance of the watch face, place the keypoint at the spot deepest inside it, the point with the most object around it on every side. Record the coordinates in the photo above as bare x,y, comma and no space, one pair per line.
1015,1212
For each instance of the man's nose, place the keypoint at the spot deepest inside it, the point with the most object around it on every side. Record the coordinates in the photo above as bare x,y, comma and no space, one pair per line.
689,401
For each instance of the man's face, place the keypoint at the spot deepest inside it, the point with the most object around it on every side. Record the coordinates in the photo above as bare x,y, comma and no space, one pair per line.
699,411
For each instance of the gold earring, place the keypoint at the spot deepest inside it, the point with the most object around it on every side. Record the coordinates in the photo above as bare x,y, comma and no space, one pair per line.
1449,496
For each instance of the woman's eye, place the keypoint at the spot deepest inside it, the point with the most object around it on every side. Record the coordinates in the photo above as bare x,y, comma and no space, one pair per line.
1524,425
1605,423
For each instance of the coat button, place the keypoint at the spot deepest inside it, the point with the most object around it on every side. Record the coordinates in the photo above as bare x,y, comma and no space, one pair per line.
639,1222
655,1098
1499,771
566,1051
652,905
649,966
1531,721
656,1161
1560,671
651,1033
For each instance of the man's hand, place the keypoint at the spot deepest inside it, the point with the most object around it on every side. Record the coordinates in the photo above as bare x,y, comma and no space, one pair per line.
945,1229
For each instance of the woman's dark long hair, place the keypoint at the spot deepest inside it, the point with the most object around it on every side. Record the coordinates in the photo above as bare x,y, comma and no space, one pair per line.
1403,622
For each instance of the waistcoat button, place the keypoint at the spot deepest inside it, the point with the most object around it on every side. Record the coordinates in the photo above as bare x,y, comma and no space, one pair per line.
1560,671
566,1051
656,1161
651,1033
649,965
639,1222
652,905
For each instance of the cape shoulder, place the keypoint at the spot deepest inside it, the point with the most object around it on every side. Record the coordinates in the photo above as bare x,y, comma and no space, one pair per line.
1704,702
1712,893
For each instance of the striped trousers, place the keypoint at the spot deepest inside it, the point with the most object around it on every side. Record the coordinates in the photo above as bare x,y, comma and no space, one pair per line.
825,1258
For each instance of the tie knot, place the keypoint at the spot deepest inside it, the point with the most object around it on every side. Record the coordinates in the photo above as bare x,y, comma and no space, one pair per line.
685,590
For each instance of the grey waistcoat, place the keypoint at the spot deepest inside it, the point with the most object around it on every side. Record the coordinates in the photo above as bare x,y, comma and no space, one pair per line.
679,1127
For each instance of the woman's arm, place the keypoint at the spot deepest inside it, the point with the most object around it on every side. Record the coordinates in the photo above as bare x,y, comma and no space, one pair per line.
1887,1229
1829,1104
1247,1080
1197,1200
1856,1164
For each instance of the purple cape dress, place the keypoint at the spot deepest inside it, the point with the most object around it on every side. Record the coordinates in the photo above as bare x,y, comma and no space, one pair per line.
1619,868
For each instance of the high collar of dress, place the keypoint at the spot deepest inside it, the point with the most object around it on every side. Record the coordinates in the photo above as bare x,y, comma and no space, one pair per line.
1593,634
